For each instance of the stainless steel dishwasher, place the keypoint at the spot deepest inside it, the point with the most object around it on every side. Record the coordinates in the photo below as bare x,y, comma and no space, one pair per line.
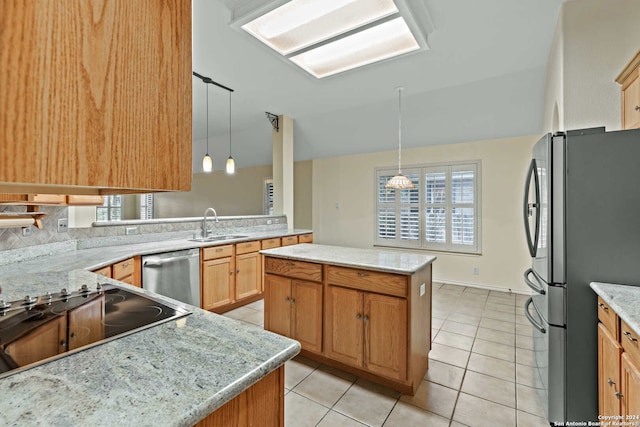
173,274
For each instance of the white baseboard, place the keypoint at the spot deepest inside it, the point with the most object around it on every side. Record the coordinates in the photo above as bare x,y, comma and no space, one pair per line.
482,286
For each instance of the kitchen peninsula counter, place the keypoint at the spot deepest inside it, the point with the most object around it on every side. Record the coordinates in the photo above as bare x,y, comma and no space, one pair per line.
366,311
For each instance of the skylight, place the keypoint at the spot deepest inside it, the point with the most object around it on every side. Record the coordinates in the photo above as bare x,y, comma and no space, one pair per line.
326,37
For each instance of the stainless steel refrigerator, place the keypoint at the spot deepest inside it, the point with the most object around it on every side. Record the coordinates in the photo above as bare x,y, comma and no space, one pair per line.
582,221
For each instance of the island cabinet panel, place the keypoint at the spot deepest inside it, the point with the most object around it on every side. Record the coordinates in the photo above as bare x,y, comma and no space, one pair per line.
293,308
609,352
262,405
80,112
296,269
46,341
385,332
344,337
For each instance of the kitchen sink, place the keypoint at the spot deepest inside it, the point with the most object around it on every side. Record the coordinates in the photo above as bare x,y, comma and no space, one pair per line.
217,238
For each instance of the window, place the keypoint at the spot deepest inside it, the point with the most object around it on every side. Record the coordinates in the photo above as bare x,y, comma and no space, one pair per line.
111,209
267,205
441,213
146,206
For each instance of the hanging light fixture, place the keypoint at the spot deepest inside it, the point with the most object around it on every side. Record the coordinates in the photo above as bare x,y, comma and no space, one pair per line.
231,164
207,161
399,181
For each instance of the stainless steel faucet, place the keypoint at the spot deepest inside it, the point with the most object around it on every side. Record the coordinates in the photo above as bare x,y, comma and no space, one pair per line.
205,231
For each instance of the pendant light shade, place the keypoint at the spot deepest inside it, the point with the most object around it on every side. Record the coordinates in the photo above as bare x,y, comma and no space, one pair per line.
207,161
231,164
399,181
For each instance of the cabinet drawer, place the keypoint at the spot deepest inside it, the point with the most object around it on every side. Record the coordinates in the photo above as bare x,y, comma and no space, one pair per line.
217,252
630,341
609,318
246,247
289,240
295,269
104,271
123,269
373,281
271,243
305,238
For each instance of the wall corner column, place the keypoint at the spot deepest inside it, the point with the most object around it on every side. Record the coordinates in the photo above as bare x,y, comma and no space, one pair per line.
283,168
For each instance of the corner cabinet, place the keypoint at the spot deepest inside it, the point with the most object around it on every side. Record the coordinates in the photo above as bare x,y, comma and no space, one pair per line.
127,271
618,366
95,98
629,81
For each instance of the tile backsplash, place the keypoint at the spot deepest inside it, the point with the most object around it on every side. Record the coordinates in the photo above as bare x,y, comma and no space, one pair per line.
12,238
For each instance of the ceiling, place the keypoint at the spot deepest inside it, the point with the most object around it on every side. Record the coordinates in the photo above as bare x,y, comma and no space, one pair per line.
482,78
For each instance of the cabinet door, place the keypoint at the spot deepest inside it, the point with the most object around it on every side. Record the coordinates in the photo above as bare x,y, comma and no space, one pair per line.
248,269
631,104
385,335
86,323
46,341
217,285
306,304
277,304
630,376
344,331
609,351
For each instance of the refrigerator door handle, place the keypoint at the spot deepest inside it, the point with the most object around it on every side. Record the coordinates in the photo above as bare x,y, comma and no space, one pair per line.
529,206
528,315
536,288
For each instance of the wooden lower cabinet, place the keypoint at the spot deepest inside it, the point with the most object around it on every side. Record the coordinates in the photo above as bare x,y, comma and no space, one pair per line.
630,385
85,324
127,271
367,330
294,310
609,352
217,289
248,275
46,341
618,366
262,405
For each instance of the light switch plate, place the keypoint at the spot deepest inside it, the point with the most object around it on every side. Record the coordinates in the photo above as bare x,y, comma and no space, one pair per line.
423,289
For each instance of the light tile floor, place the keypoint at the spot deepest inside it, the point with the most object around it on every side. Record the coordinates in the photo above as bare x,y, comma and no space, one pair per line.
479,372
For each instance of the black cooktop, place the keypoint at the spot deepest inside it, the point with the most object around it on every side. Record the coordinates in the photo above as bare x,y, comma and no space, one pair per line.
41,329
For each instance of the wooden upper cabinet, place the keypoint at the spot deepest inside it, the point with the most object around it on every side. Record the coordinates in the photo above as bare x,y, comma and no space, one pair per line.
95,97
629,79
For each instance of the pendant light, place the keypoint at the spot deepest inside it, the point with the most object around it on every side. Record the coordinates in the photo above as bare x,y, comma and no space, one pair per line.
231,164
399,181
207,161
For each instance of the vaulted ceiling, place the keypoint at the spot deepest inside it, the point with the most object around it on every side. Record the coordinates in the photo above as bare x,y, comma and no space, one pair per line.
482,78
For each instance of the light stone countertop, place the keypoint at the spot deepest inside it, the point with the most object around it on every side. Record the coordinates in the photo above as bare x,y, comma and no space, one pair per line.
391,261
623,299
173,374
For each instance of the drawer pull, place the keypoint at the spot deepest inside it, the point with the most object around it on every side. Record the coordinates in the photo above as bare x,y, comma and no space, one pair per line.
602,306
219,250
290,264
629,336
363,274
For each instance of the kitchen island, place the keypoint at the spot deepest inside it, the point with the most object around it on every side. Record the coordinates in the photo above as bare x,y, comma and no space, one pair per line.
366,311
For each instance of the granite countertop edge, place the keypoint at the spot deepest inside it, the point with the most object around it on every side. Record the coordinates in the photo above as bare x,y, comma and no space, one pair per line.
406,263
623,299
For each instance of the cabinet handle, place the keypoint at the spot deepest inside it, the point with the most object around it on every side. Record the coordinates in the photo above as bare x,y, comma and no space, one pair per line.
610,382
290,264
637,108
629,336
293,300
72,335
618,394
63,343
602,306
358,316
366,318
237,271
231,273
286,299
363,274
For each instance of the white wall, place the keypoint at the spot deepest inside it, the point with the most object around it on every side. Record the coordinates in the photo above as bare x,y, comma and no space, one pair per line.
594,41
344,209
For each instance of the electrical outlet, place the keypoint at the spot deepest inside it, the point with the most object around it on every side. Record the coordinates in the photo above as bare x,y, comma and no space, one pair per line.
26,231
128,231
277,220
63,225
423,289
269,222
476,271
